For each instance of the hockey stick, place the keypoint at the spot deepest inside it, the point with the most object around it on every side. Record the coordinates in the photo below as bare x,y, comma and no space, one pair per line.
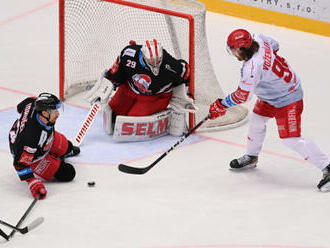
4,235
26,229
24,216
139,171
87,123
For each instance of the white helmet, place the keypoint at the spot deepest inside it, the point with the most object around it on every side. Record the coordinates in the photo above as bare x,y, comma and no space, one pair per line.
153,55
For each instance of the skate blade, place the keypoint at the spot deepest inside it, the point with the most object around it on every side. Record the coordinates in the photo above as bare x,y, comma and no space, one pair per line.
325,187
251,166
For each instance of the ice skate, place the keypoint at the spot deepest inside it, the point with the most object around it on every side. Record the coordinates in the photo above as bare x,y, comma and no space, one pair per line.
244,162
324,184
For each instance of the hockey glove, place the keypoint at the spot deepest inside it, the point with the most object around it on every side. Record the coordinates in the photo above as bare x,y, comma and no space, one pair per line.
71,151
217,109
101,91
37,188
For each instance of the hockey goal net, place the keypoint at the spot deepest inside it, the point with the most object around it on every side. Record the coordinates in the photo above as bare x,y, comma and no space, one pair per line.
93,32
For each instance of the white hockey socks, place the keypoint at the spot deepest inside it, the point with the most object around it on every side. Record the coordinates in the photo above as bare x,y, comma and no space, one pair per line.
308,150
256,134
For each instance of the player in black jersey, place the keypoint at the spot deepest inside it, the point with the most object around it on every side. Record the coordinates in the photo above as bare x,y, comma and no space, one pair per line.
146,77
149,82
37,148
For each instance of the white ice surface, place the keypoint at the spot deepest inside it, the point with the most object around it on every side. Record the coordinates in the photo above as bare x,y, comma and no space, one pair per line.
190,199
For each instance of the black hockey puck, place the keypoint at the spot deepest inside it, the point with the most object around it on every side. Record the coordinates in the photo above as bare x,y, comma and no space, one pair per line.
91,184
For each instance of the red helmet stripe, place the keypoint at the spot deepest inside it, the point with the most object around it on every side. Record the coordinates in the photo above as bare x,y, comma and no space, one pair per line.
149,47
156,48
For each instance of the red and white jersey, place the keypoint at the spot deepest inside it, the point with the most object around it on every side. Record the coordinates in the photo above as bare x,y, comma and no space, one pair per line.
268,76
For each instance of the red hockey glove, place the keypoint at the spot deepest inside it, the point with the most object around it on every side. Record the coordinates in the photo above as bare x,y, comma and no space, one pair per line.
37,188
217,109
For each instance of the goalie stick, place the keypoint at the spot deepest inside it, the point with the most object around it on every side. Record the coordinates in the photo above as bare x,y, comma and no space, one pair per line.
26,229
139,171
87,123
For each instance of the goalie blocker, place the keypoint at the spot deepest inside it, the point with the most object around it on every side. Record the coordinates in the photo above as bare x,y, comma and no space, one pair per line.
142,128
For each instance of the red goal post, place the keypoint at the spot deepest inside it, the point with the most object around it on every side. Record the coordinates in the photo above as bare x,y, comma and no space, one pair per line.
93,32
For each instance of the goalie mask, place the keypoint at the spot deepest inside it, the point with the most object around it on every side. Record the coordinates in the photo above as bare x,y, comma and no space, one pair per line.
153,55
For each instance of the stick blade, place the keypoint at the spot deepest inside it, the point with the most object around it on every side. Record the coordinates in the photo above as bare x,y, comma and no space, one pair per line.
38,221
132,170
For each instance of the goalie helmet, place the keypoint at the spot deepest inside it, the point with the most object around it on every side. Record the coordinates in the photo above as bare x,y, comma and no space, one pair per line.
152,52
239,38
46,101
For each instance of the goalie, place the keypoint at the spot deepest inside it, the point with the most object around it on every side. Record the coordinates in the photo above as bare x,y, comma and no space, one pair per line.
147,80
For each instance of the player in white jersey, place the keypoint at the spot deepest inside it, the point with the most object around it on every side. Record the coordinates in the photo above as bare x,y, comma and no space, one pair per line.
280,96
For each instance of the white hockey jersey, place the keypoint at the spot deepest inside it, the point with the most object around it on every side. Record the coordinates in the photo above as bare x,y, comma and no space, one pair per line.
268,76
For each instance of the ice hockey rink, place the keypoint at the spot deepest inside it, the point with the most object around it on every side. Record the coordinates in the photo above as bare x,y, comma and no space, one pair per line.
190,199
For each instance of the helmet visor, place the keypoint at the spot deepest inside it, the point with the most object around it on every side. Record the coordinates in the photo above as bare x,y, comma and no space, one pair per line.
59,107
228,48
232,51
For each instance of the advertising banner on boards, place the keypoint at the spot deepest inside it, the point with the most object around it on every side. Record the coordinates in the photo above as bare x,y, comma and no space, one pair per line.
313,9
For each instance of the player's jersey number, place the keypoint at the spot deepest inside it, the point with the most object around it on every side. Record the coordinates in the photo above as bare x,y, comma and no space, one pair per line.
281,69
131,63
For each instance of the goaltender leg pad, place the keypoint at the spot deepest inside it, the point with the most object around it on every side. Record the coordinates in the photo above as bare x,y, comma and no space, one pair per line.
107,120
178,124
133,128
180,101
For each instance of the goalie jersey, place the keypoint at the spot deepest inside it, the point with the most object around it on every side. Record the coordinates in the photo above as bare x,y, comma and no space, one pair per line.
130,67
29,139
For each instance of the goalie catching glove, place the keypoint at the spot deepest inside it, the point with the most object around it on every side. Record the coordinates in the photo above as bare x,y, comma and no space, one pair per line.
101,91
180,101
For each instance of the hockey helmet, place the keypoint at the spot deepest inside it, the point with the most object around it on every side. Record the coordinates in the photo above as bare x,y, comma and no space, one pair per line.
239,38
152,52
47,101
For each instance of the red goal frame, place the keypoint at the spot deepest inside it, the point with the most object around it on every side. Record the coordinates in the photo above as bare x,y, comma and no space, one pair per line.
139,6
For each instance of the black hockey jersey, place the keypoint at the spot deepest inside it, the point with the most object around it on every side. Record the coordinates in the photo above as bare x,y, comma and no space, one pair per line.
29,139
130,67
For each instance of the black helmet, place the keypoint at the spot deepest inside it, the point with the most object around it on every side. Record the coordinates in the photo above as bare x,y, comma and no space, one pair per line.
46,101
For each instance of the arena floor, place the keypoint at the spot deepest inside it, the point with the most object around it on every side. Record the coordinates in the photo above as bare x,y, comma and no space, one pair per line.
190,199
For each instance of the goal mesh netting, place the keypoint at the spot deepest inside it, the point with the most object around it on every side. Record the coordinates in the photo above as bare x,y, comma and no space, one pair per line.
93,32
